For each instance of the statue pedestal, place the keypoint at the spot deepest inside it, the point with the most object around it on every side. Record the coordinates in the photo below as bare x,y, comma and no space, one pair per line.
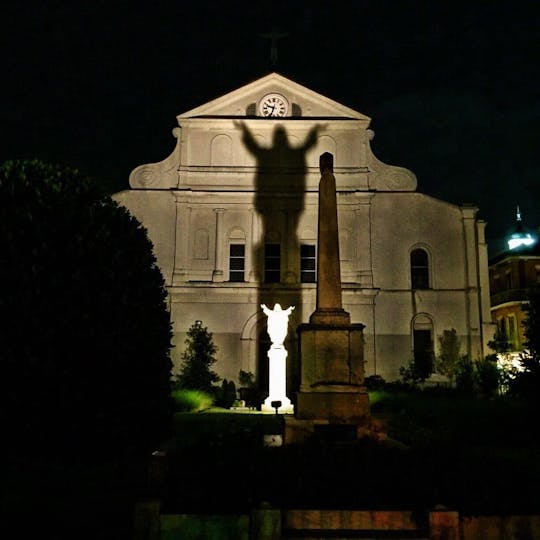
277,357
332,389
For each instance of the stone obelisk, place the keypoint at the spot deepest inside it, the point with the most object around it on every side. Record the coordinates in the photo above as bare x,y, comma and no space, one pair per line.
331,348
329,305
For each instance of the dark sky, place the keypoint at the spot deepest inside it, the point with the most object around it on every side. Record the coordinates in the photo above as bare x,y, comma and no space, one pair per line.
451,87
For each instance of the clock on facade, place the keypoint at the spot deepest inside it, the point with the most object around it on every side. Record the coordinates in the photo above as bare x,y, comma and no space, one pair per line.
273,105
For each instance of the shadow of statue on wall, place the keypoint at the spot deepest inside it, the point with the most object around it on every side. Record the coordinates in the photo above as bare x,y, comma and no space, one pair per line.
279,202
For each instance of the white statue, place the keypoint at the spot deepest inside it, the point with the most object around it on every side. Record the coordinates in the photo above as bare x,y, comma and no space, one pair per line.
278,320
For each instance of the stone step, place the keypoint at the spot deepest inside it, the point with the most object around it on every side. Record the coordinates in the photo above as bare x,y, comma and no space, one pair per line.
353,535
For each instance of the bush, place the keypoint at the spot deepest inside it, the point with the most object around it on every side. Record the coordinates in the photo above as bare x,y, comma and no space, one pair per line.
226,394
488,376
415,372
465,376
191,400
246,379
374,382
85,356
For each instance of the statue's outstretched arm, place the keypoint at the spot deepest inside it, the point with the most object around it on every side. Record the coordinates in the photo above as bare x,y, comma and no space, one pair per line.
247,138
311,139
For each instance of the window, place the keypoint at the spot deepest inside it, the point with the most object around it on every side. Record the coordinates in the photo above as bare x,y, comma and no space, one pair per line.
307,263
509,284
419,269
236,262
272,263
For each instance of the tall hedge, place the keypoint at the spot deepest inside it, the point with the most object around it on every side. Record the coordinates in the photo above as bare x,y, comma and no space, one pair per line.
84,346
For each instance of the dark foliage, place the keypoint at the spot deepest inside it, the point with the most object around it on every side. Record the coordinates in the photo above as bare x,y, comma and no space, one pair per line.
417,371
374,382
449,353
85,343
527,383
246,379
500,342
199,356
226,394
532,324
487,376
465,377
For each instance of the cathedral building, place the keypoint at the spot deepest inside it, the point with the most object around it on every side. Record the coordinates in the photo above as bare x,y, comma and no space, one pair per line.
232,214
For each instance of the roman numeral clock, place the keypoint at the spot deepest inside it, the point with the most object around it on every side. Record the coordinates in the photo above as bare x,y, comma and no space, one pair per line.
273,105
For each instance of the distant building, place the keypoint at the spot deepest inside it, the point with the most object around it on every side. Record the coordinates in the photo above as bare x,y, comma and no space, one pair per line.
232,213
511,275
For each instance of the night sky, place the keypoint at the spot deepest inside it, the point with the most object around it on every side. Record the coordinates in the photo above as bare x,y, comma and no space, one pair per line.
451,87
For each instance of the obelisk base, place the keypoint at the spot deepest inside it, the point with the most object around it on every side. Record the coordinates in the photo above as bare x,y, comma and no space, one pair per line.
332,398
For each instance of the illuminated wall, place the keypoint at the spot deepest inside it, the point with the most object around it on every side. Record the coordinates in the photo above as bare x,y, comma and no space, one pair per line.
239,191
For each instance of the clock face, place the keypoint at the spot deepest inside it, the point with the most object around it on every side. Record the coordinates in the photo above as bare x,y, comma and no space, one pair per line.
273,105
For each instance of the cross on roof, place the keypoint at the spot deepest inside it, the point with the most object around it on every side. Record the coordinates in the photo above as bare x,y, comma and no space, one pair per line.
273,36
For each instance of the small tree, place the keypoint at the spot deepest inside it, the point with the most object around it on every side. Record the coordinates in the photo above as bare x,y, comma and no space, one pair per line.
199,356
448,358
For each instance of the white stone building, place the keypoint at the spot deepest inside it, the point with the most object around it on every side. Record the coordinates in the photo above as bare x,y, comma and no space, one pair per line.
232,213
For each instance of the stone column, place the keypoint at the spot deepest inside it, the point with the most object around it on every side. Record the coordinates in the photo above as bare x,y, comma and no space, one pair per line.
362,260
218,262
183,234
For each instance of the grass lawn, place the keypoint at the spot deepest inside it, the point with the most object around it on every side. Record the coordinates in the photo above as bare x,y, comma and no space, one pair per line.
479,456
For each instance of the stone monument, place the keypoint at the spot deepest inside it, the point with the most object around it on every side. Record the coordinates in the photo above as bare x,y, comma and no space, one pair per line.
331,351
278,321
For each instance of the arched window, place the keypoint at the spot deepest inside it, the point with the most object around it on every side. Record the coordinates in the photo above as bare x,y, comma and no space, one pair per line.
419,269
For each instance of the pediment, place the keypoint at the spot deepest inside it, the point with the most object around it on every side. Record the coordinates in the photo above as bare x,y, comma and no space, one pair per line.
302,102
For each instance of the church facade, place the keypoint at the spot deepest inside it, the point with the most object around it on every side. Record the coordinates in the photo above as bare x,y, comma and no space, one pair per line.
232,214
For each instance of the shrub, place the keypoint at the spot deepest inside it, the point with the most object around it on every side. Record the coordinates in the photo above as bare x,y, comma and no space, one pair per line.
191,400
246,379
226,394
415,372
374,382
488,376
85,355
465,376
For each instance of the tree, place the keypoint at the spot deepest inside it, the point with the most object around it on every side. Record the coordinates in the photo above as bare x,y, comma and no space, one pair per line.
527,383
195,373
85,350
449,355
532,324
